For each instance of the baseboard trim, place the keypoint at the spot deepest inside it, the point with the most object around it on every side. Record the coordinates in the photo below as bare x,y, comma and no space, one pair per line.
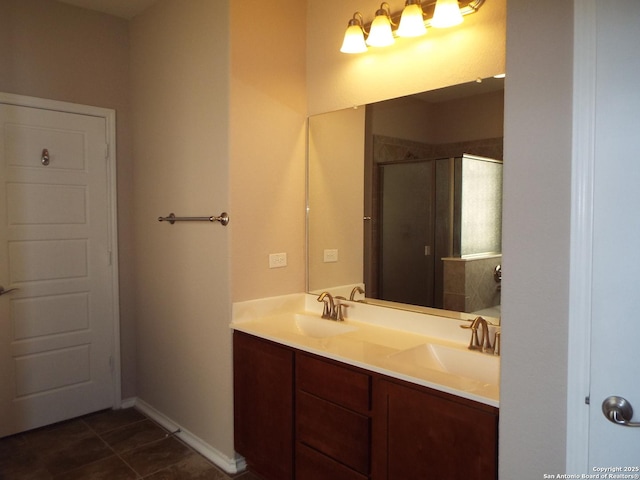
229,465
127,403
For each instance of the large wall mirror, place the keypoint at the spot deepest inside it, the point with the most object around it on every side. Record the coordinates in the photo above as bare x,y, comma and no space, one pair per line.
405,201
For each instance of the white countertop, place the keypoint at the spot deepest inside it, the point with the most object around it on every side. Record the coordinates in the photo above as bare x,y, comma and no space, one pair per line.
371,345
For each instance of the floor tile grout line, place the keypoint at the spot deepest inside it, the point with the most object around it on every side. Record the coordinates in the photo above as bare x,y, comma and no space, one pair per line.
109,447
138,475
49,430
167,435
119,427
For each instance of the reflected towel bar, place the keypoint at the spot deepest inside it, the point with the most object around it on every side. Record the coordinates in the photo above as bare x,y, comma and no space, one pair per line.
223,219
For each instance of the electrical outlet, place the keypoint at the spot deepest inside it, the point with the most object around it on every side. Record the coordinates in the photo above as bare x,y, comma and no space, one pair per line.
331,255
277,260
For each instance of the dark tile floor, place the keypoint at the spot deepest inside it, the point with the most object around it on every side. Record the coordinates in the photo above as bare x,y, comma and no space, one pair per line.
108,445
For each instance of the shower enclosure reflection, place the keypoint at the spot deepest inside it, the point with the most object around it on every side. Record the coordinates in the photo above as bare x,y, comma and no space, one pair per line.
404,196
439,227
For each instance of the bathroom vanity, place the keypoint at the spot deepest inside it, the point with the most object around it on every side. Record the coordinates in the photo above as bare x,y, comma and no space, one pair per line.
352,402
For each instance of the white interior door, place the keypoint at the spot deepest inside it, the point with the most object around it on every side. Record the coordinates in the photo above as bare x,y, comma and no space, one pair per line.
57,326
615,345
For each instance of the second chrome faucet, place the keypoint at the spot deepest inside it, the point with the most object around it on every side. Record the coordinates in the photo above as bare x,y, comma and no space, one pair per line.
482,341
333,308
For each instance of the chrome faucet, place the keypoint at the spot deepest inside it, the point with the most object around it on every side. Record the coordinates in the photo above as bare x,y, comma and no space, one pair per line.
333,309
356,289
483,342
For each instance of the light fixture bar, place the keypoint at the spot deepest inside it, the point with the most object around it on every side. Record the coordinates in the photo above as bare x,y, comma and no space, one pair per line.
467,7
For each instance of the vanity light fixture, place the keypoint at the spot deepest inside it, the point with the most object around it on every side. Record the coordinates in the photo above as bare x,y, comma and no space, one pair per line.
411,22
380,34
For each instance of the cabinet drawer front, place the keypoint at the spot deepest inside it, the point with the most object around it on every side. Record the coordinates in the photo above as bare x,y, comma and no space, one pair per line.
311,465
332,382
335,431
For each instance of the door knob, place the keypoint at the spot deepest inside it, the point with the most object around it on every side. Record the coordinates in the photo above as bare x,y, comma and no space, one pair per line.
3,291
45,157
618,410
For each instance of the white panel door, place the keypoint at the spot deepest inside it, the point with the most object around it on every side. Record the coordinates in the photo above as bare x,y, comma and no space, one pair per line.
56,327
615,345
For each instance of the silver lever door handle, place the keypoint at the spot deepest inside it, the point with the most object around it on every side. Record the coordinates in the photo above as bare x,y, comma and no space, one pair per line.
3,291
618,410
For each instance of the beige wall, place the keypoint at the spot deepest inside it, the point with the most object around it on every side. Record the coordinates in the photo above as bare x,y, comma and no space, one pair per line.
401,118
180,105
267,147
59,52
469,119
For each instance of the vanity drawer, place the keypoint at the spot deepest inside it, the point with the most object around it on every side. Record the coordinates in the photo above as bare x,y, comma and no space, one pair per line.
338,384
335,431
312,465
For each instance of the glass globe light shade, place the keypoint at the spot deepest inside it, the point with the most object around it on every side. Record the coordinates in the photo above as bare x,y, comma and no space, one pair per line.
446,14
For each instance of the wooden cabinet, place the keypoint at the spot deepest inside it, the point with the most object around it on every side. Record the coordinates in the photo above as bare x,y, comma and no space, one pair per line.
263,405
302,416
421,433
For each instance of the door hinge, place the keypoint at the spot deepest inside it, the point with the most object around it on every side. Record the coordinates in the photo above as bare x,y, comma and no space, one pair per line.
587,400
106,151
111,363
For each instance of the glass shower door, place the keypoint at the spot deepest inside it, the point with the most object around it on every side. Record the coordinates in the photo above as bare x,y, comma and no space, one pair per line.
407,218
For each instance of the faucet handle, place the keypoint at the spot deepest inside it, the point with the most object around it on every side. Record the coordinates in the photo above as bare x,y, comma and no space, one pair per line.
496,343
474,343
340,312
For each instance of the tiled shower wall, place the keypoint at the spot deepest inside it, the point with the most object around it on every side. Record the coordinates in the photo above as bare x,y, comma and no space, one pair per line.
469,283
391,149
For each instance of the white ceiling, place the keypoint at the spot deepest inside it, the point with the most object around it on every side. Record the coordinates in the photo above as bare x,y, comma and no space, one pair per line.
119,8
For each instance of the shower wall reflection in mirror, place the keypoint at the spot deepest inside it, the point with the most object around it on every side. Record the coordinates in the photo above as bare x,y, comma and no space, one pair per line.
405,200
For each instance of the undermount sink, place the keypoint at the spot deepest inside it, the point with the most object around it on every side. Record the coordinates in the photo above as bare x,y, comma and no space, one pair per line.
316,327
478,366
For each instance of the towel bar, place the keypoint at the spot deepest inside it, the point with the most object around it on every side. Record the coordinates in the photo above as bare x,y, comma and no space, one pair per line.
223,219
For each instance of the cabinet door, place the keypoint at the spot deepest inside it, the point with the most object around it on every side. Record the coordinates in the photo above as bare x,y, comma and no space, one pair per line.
418,434
263,405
